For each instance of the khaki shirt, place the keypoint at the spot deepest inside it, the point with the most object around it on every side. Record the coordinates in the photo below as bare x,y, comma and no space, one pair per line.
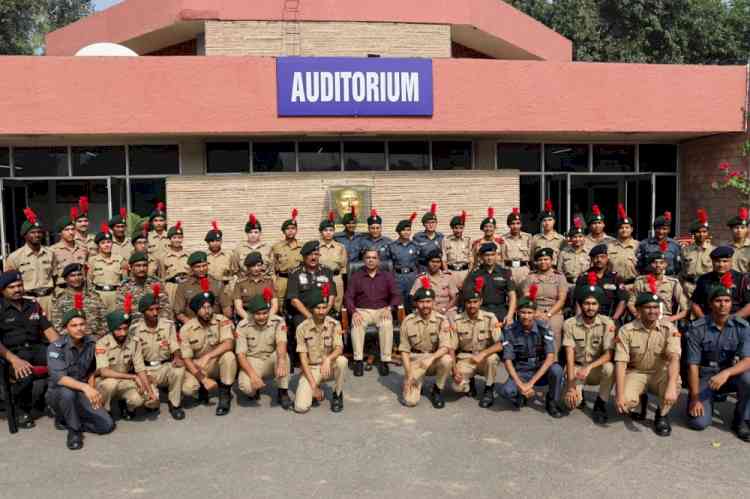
457,251
87,242
196,339
519,248
554,240
220,265
243,249
573,263
422,335
105,271
157,243
248,287
191,287
138,291
123,249
444,285
696,261
474,335
173,263
647,350
318,341
589,342
333,256
502,250
93,307
740,259
549,285
286,256
36,268
125,358
65,255
668,289
260,342
589,242
622,258
158,344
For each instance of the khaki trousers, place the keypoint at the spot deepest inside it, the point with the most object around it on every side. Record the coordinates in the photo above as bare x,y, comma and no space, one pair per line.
385,333
171,289
555,324
338,302
468,369
224,370
116,389
266,369
281,283
303,397
519,274
169,376
109,298
440,368
637,382
45,302
603,376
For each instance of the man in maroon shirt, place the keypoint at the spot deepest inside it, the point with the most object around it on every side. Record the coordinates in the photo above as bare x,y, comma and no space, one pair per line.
370,297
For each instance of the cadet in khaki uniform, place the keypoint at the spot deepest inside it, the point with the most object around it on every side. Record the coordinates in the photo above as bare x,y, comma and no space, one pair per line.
333,256
622,250
442,283
35,263
674,303
105,270
140,244
519,245
696,258
252,285
647,360
207,346
66,250
219,261
286,256
82,235
488,227
574,259
456,249
261,351
158,241
320,346
739,226
588,339
173,266
553,291
548,237
94,307
192,285
476,336
596,235
160,348
121,245
253,244
120,369
426,345
141,283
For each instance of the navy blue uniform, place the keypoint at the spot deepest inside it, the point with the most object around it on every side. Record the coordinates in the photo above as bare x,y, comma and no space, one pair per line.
713,351
427,246
706,282
673,255
527,350
71,407
366,242
404,257
349,243
497,284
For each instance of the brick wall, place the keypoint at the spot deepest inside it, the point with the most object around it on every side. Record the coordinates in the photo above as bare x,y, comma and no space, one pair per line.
354,39
196,200
699,161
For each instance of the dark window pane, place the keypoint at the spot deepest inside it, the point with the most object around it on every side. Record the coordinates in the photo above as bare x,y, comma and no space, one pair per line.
451,155
4,162
319,156
614,158
531,201
273,157
556,189
666,197
228,157
524,157
145,193
98,161
365,155
658,158
566,157
41,161
155,160
409,155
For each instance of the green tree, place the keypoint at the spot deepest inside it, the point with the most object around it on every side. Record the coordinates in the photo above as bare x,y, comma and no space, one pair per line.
24,23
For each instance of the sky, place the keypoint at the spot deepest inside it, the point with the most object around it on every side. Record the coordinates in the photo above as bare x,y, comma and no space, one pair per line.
103,4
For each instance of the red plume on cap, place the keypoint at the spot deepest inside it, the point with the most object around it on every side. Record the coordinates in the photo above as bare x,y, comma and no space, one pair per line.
651,280
145,228
160,206
592,279
83,204
425,282
30,215
548,205
73,213
668,216
331,216
490,212
463,217
156,289
702,216
621,213
205,285
267,295
516,211
78,301
413,216
104,228
353,211
215,225
577,222
178,225
595,210
533,291
127,305
743,213
295,212
479,284
123,213
433,208
726,280
373,213
326,290
251,219
663,246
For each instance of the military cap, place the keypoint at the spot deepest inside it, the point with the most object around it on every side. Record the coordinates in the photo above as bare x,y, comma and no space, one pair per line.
175,230
309,247
138,235
63,223
599,249
31,222
120,219
434,253
548,212
103,234
260,302
407,223
541,252
655,255
596,215
83,207
76,311
116,319
424,294
513,216
149,299
475,292
576,228
700,222
160,211
622,216
487,248
590,290
8,278
70,268
329,222
723,288
663,220
722,252
214,234
199,299
350,217
253,258
291,221
489,219
137,256
430,215
317,296
650,295
374,218
458,220
252,223
197,257
529,300
740,219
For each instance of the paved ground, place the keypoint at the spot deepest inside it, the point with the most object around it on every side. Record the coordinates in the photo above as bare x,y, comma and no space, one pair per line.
377,448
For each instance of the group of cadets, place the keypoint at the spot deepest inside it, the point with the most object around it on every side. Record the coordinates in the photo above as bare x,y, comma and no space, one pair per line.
115,318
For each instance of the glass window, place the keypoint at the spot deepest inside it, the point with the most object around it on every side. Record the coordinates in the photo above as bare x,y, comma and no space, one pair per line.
566,157
228,157
274,157
4,162
408,155
531,201
324,156
98,161
364,155
523,157
145,193
657,158
614,158
451,155
155,160
666,196
556,189
41,161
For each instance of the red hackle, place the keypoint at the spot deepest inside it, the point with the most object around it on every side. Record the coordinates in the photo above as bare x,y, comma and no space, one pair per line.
548,205
251,219
178,225
295,212
592,279
727,281
30,215
425,282
413,216
516,211
651,280
702,216
267,295
156,289
373,213
463,217
123,213
160,206
663,246
595,210
743,213
668,216
433,208
354,211
83,204
127,305
205,285
490,212
331,216
533,291
73,213
326,290
145,228
104,228
479,284
78,301
215,225
621,213
577,222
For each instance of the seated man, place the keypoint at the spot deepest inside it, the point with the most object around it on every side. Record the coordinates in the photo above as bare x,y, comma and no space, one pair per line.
647,359
161,351
713,343
304,280
77,405
529,355
23,330
588,339
206,343
95,309
261,350
425,347
477,341
320,346
121,374
370,297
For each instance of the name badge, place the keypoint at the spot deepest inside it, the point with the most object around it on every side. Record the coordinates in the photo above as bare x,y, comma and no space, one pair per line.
302,279
610,287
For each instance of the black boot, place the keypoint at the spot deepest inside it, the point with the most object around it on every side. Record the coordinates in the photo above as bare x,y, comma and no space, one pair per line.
359,368
284,401
225,400
661,424
553,409
60,423
436,397
640,416
742,430
488,397
383,368
519,401
473,388
24,419
176,412
125,413
337,402
75,440
202,396
600,411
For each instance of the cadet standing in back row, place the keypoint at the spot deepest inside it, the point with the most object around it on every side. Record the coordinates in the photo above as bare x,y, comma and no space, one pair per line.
458,257
519,244
285,257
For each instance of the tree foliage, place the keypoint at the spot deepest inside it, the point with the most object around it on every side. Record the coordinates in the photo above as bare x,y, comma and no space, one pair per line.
24,23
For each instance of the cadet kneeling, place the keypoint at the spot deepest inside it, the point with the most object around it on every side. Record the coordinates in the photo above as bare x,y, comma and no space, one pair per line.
425,348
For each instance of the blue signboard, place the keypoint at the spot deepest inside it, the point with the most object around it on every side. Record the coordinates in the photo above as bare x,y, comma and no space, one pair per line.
350,86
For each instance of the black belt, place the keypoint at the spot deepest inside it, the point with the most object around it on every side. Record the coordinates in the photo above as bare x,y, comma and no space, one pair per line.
283,274
404,270
629,281
106,288
458,266
39,292
178,279
225,283
336,272
520,263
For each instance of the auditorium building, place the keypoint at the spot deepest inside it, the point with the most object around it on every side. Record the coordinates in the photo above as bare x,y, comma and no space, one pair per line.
227,107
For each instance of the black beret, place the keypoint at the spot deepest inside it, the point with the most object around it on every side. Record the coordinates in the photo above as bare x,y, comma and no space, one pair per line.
253,258
487,248
310,247
543,252
599,249
434,253
70,268
722,252
8,278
